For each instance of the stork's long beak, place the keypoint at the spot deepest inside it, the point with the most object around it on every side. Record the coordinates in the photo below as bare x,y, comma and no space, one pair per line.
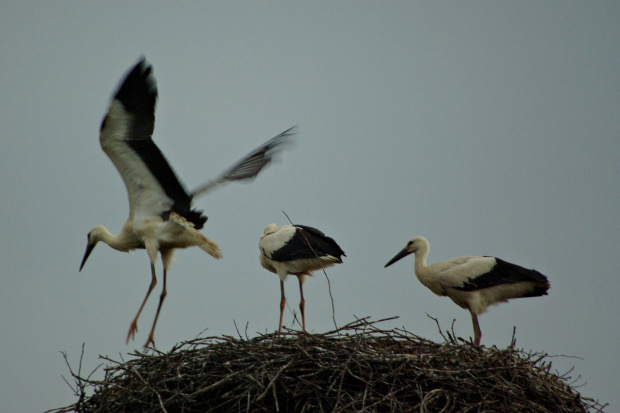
89,248
403,253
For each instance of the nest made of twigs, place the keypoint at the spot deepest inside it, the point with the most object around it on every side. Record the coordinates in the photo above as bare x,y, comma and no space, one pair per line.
357,368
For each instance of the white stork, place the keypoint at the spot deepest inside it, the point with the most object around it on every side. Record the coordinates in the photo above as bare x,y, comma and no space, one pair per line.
296,250
161,218
473,283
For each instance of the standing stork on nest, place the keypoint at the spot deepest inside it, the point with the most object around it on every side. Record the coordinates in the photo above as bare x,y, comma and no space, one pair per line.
296,250
161,218
473,283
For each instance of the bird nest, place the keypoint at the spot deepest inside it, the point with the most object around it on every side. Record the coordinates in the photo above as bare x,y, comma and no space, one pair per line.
358,368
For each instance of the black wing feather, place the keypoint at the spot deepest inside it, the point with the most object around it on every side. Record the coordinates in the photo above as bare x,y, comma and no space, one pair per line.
507,273
255,161
138,95
250,166
297,247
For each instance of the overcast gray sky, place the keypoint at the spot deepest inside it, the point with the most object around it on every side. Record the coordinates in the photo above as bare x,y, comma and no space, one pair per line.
491,129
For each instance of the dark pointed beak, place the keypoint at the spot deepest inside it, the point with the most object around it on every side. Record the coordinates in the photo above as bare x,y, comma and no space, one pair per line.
403,253
89,249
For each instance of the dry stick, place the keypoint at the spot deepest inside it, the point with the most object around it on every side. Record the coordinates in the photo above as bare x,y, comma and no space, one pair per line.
329,285
214,385
274,380
161,402
80,382
360,323
439,328
237,328
239,333
513,340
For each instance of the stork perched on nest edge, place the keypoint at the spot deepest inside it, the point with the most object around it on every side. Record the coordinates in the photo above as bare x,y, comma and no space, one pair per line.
296,250
473,283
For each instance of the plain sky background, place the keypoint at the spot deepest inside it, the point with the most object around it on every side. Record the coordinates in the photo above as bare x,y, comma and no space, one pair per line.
490,128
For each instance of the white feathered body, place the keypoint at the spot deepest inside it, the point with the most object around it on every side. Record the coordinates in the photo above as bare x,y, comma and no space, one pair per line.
474,282
294,250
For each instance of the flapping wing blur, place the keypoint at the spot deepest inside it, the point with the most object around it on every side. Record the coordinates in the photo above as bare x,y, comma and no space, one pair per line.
251,165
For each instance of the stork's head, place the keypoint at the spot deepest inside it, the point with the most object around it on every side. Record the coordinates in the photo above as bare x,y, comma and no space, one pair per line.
414,245
94,236
270,229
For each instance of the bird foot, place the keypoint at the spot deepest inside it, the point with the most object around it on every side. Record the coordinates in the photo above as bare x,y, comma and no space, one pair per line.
133,329
151,341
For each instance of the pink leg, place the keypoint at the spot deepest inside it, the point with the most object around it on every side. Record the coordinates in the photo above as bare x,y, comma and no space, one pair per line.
302,304
282,304
477,332
133,327
151,339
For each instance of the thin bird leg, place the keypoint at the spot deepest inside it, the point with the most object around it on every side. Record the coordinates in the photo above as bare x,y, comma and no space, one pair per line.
133,328
302,304
477,332
151,339
282,304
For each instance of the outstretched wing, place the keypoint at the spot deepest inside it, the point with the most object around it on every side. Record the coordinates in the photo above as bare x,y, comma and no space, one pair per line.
126,137
251,165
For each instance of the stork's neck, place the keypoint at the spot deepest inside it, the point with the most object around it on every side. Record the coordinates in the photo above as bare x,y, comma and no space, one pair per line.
420,261
421,270
122,242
